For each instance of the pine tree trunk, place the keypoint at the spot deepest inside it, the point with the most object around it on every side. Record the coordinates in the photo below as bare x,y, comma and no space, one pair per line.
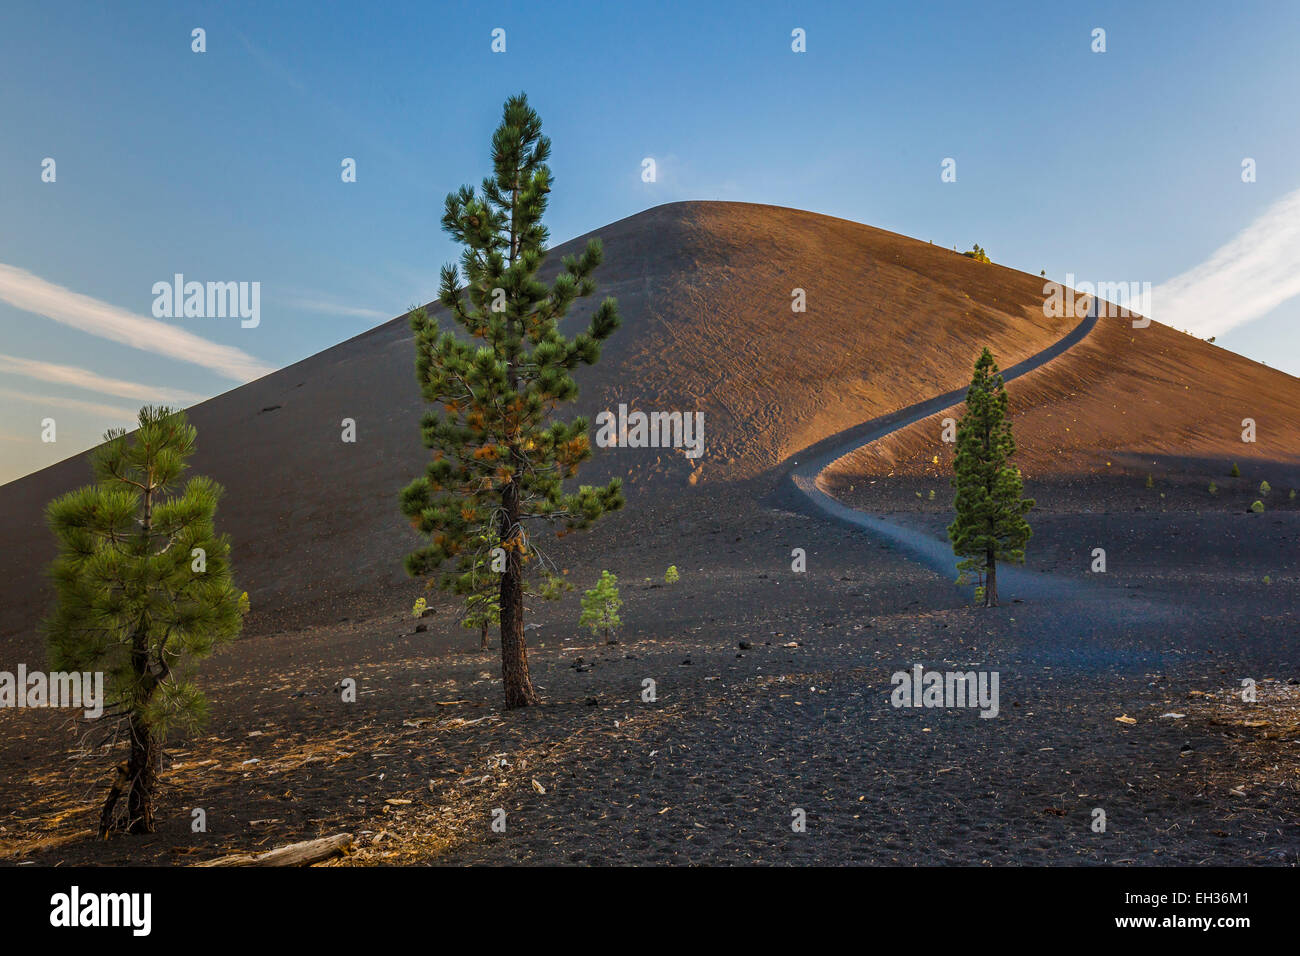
143,765
483,637
514,652
146,753
138,777
142,772
121,781
991,581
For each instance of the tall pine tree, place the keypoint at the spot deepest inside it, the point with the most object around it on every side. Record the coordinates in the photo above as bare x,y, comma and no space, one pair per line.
990,525
499,457
143,590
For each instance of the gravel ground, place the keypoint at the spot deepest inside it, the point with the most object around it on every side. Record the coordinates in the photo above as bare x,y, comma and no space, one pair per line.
741,737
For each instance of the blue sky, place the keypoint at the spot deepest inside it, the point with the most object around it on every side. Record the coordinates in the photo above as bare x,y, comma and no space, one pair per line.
225,165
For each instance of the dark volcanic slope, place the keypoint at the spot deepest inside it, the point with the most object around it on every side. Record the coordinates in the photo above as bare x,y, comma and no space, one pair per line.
705,292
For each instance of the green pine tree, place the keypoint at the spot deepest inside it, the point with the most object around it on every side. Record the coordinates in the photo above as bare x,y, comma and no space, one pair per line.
483,603
482,612
990,525
143,591
500,458
600,607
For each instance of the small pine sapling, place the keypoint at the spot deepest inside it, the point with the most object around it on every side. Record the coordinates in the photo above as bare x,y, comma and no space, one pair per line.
600,606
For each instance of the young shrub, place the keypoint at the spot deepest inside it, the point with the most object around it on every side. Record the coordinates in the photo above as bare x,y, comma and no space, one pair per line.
1258,507
671,576
1236,472
143,591
420,606
481,584
482,611
600,607
1264,488
1214,489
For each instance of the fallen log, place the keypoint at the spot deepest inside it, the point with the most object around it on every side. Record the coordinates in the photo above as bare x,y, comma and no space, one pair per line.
306,853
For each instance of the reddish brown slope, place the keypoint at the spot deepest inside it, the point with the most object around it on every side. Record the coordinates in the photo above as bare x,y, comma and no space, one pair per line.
889,321
705,292
1141,401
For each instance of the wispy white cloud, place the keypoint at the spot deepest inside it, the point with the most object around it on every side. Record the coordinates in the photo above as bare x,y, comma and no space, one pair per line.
84,378
31,293
334,308
1247,278
121,416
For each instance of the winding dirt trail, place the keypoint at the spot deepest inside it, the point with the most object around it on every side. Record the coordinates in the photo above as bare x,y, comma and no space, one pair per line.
804,485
